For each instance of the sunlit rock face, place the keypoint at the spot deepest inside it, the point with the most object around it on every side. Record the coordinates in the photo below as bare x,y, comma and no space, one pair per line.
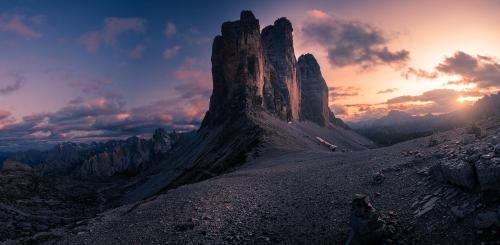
278,45
254,71
314,91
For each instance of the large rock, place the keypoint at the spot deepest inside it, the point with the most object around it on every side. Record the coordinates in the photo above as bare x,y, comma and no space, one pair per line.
278,44
488,173
456,172
367,226
314,91
239,70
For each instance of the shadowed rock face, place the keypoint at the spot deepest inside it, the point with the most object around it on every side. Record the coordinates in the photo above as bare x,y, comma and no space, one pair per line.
238,70
314,92
253,71
278,44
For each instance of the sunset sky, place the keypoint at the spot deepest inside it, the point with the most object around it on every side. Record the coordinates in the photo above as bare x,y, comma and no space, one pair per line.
92,70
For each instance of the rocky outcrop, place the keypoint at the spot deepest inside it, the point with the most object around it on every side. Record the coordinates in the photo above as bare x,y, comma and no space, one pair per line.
314,91
102,159
10,165
283,97
239,70
367,227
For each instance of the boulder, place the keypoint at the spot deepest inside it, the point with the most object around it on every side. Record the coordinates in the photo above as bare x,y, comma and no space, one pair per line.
488,173
457,172
367,226
468,138
485,220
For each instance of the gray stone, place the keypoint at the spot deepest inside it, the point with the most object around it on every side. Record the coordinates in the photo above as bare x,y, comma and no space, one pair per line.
497,150
468,138
485,220
458,172
367,227
378,178
488,173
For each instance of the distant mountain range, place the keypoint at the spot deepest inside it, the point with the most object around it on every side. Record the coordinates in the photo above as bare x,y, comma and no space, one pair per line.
98,159
399,126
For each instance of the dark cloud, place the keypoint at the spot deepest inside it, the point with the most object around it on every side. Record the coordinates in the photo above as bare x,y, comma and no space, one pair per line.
419,73
483,71
342,92
386,91
352,43
19,81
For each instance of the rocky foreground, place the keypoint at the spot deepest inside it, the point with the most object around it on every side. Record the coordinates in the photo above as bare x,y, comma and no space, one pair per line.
307,197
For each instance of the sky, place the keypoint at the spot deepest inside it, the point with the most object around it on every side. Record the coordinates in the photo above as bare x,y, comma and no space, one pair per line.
95,70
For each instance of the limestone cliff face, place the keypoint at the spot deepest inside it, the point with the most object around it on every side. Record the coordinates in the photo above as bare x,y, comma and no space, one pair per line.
314,91
238,69
255,71
278,44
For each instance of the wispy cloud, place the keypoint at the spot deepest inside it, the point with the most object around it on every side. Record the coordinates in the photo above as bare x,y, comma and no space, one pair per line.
419,73
170,30
18,24
342,92
170,53
19,81
386,91
137,52
112,29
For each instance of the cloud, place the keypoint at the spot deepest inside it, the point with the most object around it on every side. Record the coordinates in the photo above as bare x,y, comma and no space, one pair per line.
170,53
19,81
316,13
419,73
342,92
339,110
111,31
170,30
91,40
137,51
92,86
386,91
351,43
483,71
194,36
17,24
4,114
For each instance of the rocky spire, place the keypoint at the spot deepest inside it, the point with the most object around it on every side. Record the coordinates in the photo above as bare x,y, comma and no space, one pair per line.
278,44
238,69
314,91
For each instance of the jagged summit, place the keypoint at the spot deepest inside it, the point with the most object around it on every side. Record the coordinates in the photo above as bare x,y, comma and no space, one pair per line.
256,93
282,94
314,91
254,71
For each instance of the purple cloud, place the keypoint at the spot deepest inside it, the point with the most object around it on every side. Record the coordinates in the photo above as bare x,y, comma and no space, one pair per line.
16,24
112,29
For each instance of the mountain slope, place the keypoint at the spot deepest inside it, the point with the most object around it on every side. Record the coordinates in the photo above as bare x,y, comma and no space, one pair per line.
304,196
